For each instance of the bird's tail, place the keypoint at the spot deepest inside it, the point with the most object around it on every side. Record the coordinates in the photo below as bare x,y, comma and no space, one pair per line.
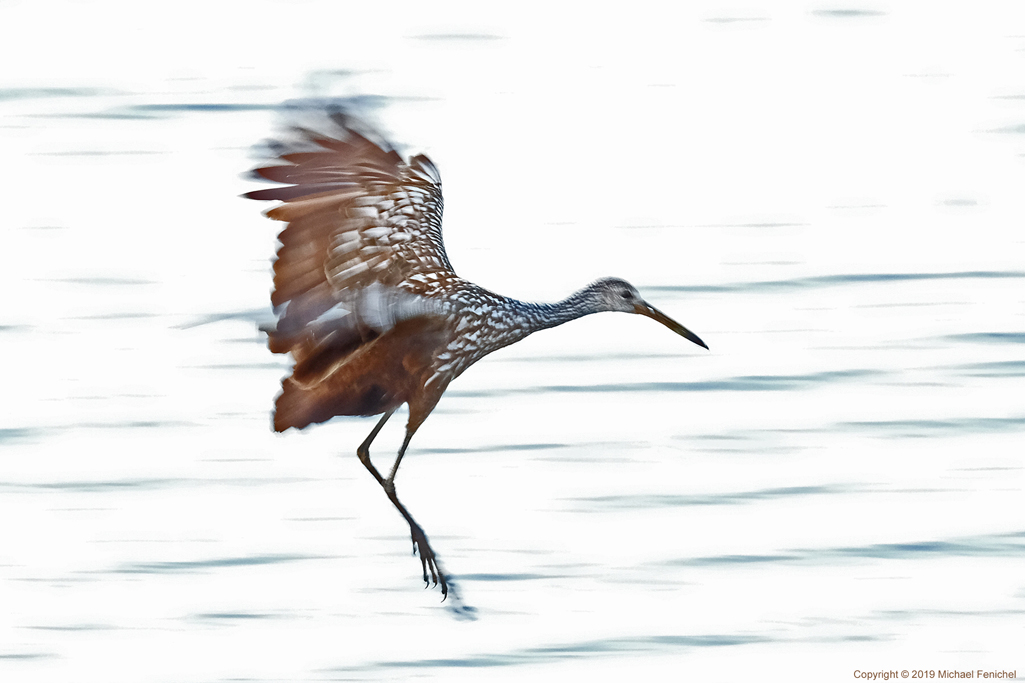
294,408
300,407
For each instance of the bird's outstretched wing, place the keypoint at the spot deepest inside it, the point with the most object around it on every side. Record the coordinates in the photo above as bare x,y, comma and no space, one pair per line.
363,238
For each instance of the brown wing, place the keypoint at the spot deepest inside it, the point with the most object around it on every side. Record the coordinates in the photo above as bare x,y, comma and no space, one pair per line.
363,236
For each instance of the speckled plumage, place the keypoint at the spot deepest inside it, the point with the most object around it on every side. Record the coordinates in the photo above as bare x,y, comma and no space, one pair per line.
366,300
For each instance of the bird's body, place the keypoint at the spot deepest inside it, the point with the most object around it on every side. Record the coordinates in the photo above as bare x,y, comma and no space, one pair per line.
367,302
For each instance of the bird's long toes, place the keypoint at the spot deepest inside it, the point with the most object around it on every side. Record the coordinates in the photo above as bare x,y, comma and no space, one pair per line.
427,580
434,572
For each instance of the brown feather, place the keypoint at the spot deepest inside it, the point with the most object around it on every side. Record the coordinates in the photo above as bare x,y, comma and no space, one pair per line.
377,376
357,216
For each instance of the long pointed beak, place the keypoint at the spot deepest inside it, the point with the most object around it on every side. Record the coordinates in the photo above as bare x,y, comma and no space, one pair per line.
644,308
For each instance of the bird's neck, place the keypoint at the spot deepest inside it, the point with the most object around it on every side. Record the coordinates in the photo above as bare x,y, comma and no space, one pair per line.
544,316
508,320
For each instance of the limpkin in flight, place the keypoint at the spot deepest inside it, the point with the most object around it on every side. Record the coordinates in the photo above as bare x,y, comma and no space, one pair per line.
366,300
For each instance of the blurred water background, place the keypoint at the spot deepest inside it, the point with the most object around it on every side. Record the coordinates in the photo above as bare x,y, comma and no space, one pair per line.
830,194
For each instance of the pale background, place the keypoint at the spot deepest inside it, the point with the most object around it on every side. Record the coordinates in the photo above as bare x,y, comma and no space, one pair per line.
831,194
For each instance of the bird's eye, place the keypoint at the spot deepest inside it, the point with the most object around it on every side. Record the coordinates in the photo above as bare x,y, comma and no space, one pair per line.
626,294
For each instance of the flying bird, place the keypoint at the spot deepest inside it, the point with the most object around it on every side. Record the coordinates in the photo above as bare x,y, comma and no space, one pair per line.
366,300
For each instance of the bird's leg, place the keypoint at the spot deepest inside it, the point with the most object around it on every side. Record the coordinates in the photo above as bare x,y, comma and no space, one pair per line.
364,448
398,458
428,559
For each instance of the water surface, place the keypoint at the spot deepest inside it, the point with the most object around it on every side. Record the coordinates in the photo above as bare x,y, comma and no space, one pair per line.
830,196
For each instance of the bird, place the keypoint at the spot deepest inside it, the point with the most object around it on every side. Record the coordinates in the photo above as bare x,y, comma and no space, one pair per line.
366,301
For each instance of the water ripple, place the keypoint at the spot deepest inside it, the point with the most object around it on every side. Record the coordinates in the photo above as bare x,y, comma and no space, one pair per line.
835,280
507,577
75,627
989,337
231,616
11,434
8,94
936,428
191,566
742,383
145,484
1004,368
100,486
848,13
556,653
498,447
643,501
996,545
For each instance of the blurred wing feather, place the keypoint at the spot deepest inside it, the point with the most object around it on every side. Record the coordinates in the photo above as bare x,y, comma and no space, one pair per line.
361,221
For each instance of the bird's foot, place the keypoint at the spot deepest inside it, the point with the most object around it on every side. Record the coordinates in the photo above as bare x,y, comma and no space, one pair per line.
428,559
431,564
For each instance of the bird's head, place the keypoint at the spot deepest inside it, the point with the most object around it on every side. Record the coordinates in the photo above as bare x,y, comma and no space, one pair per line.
613,294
